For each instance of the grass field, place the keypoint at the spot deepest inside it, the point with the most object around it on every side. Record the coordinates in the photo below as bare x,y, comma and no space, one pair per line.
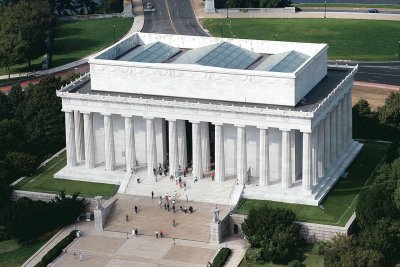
365,40
16,255
43,181
340,202
78,39
348,5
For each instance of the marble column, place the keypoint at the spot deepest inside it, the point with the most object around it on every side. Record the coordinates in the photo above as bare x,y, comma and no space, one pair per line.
306,168
79,136
219,153
90,161
344,123
70,138
286,179
182,145
109,142
151,145
264,157
333,135
161,140
130,149
314,163
293,155
327,141
205,146
321,150
241,154
173,148
197,160
339,127
349,118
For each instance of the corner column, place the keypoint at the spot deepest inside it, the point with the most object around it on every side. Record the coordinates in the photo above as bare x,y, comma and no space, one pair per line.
314,163
151,145
205,146
306,168
70,138
130,151
344,123
349,118
286,178
173,148
219,153
109,142
241,154
339,127
79,136
196,140
264,157
89,140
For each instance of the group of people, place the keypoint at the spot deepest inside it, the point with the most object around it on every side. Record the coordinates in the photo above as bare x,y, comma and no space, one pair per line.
159,234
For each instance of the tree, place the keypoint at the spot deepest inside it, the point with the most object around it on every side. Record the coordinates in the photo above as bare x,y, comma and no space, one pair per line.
390,112
11,136
11,48
338,246
274,231
20,164
5,106
362,108
383,237
15,97
396,195
26,24
41,115
373,205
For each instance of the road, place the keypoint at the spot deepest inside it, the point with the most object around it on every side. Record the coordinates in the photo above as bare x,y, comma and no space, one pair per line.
172,17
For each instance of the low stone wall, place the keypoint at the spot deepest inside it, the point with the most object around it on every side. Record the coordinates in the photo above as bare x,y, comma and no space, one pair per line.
312,232
56,155
94,16
101,215
46,197
258,10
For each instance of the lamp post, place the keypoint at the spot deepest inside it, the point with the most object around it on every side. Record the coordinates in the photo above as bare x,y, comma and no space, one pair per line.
227,8
325,11
114,35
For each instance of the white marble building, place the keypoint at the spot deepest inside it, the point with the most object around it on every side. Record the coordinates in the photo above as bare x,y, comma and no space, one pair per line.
272,115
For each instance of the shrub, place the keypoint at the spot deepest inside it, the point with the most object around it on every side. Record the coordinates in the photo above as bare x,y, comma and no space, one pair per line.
319,248
255,255
56,250
296,263
274,231
222,257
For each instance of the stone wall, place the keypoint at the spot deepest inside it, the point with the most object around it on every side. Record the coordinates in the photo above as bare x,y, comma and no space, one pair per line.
312,232
101,215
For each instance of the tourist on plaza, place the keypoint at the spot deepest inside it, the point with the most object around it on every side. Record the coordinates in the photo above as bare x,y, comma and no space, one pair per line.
133,232
171,177
136,232
74,255
160,202
173,208
80,256
190,209
157,234
126,217
195,180
154,171
152,194
187,199
173,222
155,177
212,176
168,206
161,233
136,209
165,206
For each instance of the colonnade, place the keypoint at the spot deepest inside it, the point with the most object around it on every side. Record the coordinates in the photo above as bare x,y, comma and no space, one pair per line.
320,147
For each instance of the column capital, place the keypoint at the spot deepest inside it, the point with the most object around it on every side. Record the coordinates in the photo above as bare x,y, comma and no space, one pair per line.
262,127
105,114
171,119
239,125
86,112
67,110
195,122
285,129
127,116
218,123
148,118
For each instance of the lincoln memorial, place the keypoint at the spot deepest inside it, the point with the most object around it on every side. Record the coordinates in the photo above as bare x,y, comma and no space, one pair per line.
266,119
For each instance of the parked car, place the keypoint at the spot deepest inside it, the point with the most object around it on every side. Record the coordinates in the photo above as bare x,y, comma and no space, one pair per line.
373,10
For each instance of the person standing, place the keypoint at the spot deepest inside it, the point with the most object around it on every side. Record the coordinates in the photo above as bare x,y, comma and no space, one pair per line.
173,222
157,234
161,233
80,256
152,194
136,232
136,209
187,199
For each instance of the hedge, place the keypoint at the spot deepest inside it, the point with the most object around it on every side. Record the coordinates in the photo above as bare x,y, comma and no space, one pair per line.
222,257
57,250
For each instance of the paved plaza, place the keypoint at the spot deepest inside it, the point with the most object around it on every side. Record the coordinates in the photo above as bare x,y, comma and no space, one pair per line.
151,218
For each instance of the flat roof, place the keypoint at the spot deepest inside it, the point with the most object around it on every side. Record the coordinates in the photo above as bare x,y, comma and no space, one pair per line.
307,104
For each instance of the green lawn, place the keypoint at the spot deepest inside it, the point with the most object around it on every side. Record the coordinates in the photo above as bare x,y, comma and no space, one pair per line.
19,254
43,181
367,40
348,5
78,39
340,202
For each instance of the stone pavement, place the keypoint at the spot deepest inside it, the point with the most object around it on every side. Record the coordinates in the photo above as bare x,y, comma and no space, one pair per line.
151,218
